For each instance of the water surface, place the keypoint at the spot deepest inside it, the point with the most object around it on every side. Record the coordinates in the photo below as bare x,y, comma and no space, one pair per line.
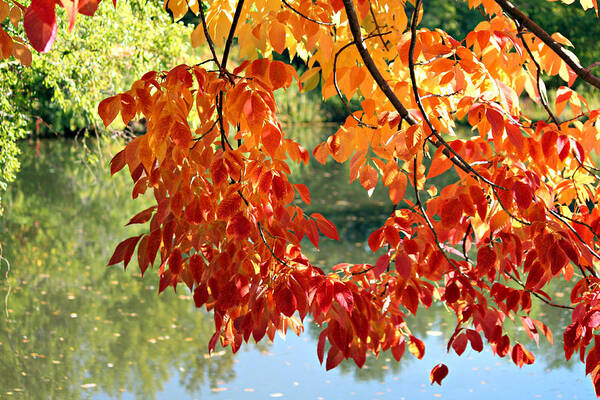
72,328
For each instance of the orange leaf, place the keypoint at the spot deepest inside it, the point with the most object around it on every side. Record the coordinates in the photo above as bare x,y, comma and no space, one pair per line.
416,347
326,227
271,138
303,192
439,164
108,109
277,37
368,177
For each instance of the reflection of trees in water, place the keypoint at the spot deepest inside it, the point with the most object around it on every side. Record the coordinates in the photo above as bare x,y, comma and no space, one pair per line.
74,322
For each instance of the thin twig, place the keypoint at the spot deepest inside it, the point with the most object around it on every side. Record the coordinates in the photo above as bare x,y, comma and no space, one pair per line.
262,236
543,97
377,28
211,44
464,244
538,295
506,210
221,124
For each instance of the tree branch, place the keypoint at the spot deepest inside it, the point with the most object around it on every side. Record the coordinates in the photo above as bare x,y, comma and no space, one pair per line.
534,28
236,18
211,44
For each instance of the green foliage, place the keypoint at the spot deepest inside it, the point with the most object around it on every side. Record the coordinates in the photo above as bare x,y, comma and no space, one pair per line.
60,92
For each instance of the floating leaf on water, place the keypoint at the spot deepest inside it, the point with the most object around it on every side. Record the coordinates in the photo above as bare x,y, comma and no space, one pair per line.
88,385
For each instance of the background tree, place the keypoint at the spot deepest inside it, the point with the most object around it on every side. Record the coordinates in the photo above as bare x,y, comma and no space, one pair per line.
521,214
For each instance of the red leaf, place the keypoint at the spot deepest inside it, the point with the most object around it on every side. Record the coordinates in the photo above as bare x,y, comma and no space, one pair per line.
285,300
496,120
452,293
343,296
523,194
451,212
376,240
382,264
142,216
200,296
312,233
334,357
326,227
40,24
438,373
239,227
403,264
520,355
514,135
475,339
321,346
460,343
486,259
398,350
124,251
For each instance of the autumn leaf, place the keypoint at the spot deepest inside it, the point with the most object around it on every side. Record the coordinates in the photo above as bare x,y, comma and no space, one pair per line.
40,24
438,373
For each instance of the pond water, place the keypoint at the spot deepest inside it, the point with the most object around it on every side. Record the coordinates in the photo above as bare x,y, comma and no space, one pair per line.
72,328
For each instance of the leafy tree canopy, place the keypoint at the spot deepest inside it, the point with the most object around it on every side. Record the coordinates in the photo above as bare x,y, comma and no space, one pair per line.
521,214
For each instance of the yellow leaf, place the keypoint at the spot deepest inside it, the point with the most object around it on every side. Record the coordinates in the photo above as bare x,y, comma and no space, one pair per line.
197,37
310,79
